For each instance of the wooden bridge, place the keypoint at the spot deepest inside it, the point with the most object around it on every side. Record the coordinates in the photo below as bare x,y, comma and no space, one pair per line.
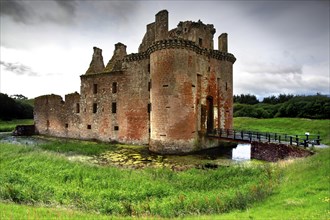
249,136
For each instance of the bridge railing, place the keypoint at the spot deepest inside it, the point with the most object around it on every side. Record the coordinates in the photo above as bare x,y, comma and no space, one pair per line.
250,136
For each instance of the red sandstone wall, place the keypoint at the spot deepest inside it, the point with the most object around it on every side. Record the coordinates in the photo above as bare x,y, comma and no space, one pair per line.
173,111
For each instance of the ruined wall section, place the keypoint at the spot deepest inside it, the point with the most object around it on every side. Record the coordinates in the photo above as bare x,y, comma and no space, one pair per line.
198,32
71,113
49,115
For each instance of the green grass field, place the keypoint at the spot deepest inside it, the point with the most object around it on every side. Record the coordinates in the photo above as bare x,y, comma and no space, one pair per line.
8,126
40,182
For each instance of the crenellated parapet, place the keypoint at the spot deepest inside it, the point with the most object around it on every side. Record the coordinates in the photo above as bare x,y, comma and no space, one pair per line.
180,44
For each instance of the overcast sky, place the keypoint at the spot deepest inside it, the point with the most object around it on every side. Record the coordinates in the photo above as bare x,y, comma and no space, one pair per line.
280,46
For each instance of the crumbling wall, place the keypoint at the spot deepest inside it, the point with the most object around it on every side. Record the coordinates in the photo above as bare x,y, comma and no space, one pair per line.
49,115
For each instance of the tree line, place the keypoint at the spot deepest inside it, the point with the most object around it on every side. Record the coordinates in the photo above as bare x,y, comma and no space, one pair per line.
293,106
15,107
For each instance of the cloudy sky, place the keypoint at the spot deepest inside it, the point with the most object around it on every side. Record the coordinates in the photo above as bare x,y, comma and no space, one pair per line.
280,46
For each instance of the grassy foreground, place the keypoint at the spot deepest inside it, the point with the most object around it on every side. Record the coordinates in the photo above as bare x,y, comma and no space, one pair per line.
8,126
31,175
290,126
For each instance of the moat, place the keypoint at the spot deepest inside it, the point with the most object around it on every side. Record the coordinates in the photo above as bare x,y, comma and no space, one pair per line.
136,156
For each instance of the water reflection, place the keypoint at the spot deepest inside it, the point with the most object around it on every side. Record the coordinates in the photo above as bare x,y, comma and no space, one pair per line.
235,152
242,152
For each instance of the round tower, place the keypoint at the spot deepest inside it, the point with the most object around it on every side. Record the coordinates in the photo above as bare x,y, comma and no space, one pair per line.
172,95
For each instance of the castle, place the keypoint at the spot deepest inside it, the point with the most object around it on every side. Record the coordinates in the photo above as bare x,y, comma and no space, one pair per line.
168,95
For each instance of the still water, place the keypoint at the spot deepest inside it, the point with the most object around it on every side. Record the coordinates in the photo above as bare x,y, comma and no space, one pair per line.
140,156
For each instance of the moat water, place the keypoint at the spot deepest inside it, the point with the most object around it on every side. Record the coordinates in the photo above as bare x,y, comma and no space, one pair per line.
140,156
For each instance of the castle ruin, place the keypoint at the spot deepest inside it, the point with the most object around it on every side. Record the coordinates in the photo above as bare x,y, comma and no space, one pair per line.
168,95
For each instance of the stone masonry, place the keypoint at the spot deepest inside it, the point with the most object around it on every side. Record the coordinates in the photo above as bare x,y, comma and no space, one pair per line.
168,95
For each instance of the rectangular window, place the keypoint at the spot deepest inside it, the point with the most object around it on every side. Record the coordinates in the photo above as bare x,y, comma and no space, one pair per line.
114,107
149,68
116,128
66,125
77,108
114,87
89,126
165,85
48,123
200,42
94,88
94,107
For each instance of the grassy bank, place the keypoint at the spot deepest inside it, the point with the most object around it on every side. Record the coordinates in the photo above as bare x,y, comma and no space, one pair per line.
33,176
303,192
290,126
8,126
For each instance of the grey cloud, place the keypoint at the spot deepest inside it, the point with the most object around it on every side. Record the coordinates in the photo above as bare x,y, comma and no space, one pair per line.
35,12
270,84
273,68
14,9
68,6
18,68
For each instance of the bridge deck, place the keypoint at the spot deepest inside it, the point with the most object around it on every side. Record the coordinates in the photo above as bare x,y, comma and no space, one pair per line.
249,136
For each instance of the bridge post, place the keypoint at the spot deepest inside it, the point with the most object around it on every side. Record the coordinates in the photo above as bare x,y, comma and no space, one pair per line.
290,140
279,139
275,136
250,136
318,140
242,135
269,138
297,140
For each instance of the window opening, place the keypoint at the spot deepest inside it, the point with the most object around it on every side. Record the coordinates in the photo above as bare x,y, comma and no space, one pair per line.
94,88
89,126
77,108
66,125
114,107
200,42
114,87
149,107
116,128
94,107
